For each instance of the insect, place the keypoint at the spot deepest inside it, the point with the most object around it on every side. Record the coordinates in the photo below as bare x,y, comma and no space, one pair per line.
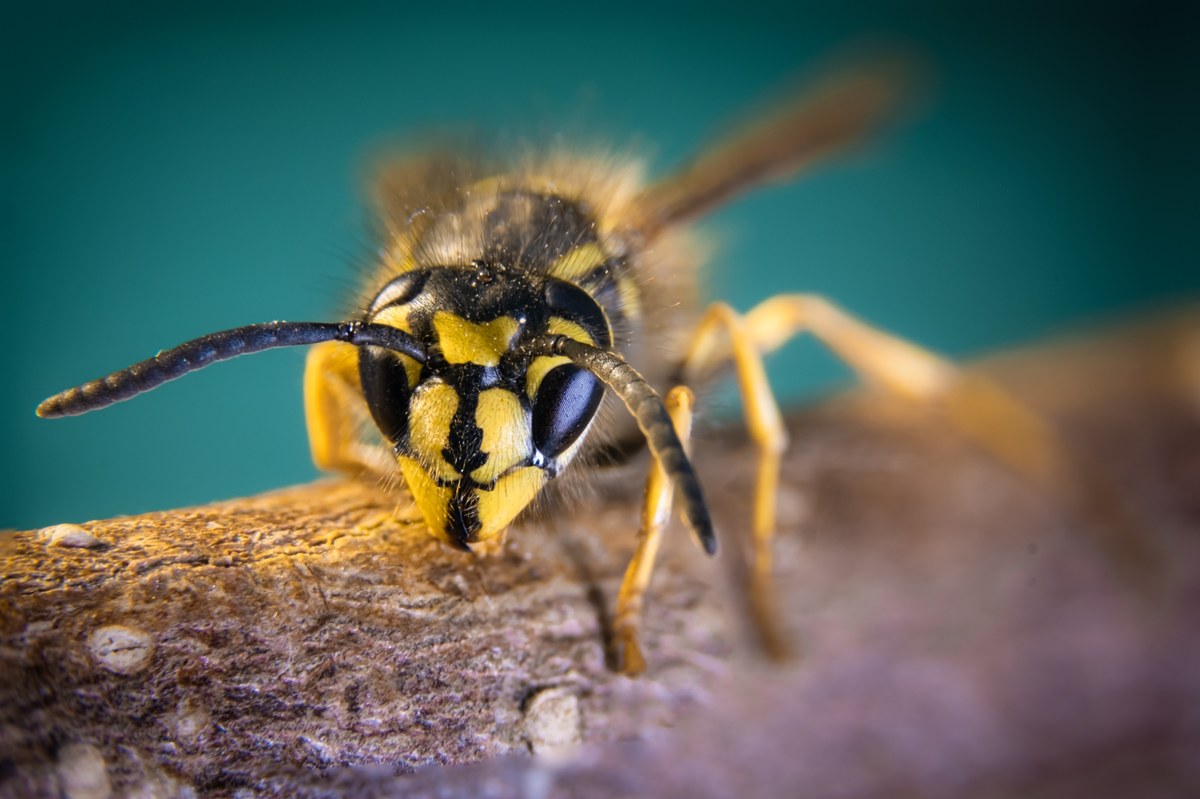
509,299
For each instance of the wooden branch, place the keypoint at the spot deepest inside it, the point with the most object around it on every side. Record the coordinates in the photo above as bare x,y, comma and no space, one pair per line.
960,632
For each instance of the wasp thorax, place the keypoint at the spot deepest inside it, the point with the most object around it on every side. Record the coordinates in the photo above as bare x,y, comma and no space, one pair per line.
480,426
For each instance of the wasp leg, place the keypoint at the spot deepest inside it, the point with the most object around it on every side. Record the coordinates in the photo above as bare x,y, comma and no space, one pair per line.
973,405
722,335
337,414
656,513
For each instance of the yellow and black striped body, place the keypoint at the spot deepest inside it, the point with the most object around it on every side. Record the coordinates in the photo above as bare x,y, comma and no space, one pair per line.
480,427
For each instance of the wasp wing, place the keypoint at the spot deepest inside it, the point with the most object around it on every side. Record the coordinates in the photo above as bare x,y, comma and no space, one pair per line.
838,112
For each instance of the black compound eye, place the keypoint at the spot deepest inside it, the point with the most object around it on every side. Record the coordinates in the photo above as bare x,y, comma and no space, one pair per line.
566,401
401,290
571,302
385,386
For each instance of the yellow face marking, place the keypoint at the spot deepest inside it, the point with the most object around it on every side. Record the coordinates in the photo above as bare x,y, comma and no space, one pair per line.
565,327
513,492
538,369
397,316
431,498
469,342
579,262
411,367
393,316
430,413
507,439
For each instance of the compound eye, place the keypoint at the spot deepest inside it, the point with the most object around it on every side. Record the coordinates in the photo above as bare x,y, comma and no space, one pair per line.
400,291
566,401
385,384
571,302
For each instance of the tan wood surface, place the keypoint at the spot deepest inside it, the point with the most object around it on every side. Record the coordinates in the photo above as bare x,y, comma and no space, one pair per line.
959,632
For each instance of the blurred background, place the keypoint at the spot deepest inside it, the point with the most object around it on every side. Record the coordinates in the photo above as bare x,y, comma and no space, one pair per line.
175,169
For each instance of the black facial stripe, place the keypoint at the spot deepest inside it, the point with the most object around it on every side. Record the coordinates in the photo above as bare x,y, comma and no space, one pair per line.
464,451
462,515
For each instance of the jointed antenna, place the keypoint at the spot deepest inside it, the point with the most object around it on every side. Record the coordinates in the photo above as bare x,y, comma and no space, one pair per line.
652,419
645,405
198,353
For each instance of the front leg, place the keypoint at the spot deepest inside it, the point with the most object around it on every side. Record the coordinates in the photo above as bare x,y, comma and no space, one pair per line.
337,415
656,513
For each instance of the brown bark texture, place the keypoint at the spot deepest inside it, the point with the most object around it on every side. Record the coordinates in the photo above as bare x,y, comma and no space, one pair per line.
956,629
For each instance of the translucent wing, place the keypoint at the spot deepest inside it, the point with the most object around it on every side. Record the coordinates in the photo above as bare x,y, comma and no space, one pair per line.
836,113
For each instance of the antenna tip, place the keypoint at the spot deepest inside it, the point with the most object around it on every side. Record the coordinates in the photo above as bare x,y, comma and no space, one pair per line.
47,409
702,526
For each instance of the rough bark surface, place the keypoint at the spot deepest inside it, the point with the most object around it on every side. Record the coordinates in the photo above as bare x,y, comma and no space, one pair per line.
958,631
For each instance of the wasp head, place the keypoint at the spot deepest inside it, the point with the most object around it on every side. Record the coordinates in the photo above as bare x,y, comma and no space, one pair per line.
481,425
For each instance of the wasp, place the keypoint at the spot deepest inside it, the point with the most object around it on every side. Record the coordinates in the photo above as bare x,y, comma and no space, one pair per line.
512,301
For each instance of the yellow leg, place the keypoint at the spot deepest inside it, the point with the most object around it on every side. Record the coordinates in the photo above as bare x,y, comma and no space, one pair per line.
724,334
337,414
973,405
656,513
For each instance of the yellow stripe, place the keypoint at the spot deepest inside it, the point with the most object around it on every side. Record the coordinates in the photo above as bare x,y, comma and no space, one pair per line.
565,327
393,316
431,498
538,370
579,262
468,342
397,316
541,366
512,494
507,439
430,414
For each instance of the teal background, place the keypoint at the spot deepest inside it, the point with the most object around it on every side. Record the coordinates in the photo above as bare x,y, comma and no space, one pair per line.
174,169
